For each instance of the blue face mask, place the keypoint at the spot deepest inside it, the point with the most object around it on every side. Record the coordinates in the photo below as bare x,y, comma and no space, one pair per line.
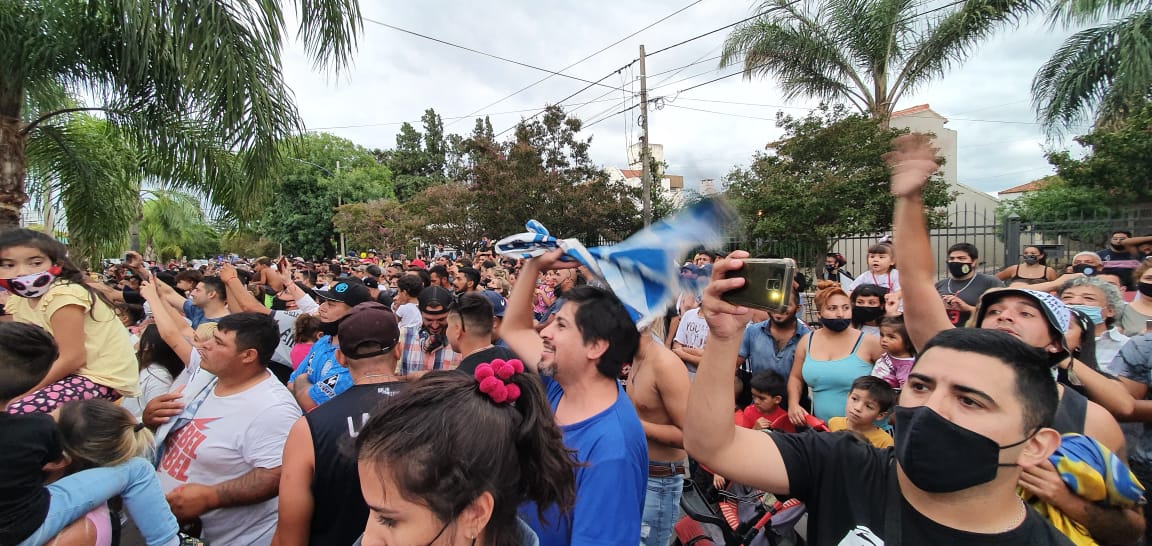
1096,314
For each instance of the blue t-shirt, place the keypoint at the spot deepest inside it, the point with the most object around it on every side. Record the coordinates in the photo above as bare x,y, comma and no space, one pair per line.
327,376
196,315
611,485
758,348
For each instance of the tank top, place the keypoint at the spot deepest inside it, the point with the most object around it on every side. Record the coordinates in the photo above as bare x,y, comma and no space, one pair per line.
1071,412
1030,280
339,509
831,380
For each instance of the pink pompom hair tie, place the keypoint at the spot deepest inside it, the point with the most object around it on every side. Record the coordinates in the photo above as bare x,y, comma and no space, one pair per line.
495,379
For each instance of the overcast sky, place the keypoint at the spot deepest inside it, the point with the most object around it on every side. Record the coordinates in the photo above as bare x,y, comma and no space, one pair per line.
397,76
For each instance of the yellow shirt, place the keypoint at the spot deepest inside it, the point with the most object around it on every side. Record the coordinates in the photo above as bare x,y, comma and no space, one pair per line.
109,358
876,437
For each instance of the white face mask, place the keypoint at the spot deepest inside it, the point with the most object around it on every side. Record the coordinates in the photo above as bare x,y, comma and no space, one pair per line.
32,285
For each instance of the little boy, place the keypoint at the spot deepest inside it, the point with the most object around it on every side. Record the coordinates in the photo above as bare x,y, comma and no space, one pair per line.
769,390
869,400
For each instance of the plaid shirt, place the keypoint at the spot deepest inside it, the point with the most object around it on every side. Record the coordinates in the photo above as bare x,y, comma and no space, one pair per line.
413,357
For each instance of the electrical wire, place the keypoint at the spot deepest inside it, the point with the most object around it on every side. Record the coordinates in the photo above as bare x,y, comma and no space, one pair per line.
478,52
597,52
457,118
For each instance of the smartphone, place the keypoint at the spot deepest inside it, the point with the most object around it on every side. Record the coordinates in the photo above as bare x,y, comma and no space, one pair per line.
767,284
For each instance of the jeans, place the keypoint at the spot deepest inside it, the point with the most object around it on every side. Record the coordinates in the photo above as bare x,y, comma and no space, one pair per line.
75,495
661,508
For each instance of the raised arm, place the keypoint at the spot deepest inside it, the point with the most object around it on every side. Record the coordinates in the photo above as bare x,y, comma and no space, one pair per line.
173,330
239,298
912,162
518,329
709,434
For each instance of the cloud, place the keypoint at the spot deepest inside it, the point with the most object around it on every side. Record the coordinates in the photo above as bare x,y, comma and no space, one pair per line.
397,76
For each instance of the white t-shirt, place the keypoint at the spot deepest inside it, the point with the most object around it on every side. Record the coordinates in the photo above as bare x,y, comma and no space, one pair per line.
693,330
408,315
228,437
890,280
154,381
286,323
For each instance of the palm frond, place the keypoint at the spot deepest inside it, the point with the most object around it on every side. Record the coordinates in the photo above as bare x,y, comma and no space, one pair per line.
89,171
1103,66
1078,12
949,40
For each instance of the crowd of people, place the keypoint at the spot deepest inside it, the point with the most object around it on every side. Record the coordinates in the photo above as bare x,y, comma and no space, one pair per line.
496,400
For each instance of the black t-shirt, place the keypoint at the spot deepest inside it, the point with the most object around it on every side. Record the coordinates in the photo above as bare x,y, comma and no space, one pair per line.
969,291
844,483
468,364
1124,271
29,442
339,509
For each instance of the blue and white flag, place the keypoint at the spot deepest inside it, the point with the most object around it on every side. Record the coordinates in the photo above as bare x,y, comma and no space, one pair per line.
643,270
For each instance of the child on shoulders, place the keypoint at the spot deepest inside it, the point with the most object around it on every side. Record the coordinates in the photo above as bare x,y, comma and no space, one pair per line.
869,400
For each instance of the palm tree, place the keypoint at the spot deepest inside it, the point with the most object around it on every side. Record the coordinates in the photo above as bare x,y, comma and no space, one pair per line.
1104,70
868,53
193,87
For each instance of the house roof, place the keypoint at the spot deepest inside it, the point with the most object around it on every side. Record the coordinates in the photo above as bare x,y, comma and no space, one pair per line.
1030,186
632,173
913,110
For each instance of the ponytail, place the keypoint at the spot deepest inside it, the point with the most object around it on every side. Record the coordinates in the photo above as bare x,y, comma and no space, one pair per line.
98,433
414,433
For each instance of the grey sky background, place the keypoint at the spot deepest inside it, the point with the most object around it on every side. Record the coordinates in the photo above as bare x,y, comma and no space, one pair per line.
396,76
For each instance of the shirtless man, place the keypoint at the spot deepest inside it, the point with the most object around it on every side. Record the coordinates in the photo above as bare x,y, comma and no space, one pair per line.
658,385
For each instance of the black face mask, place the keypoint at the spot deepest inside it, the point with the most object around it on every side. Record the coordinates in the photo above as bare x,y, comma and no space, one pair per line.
330,328
836,324
1145,288
940,456
862,314
829,268
1031,260
959,269
1087,270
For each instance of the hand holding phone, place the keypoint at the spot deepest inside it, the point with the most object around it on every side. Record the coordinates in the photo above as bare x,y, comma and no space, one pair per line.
767,284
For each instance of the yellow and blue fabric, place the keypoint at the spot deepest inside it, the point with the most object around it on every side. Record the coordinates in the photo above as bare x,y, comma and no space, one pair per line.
643,270
1093,473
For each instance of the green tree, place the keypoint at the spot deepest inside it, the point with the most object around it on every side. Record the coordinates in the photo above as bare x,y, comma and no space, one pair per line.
173,225
867,53
826,180
1090,195
1102,73
186,83
383,224
324,172
445,213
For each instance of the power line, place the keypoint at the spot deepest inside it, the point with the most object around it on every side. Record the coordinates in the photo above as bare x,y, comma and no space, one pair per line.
730,25
457,118
633,107
561,101
720,113
597,52
478,52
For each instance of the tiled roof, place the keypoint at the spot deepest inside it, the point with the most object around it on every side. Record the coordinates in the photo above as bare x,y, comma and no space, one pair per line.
909,111
1031,186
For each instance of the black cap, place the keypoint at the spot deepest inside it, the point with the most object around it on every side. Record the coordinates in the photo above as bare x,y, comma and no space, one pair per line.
347,292
434,296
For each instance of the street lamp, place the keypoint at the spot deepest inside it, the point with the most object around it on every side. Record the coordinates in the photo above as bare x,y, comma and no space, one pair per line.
339,195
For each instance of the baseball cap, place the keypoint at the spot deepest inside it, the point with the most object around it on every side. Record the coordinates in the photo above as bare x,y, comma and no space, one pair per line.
371,282
418,263
434,296
345,291
499,304
368,323
1054,310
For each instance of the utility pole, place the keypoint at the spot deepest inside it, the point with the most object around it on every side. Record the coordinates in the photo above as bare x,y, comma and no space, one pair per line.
645,155
340,202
